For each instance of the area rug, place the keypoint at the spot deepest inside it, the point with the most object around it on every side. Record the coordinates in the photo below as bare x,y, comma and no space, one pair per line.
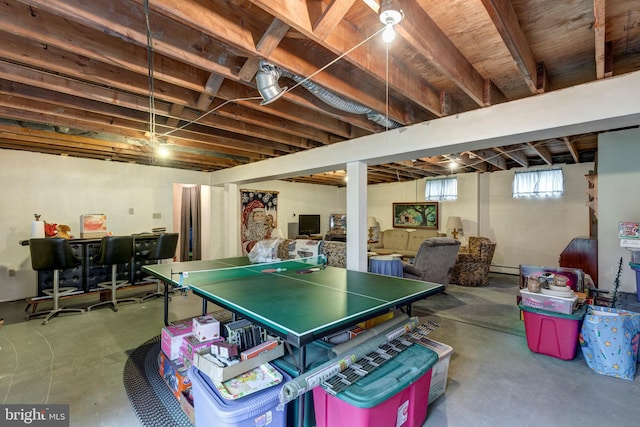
151,399
493,307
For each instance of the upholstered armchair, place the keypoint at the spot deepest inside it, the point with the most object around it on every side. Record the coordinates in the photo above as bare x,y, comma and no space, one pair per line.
434,260
336,253
472,267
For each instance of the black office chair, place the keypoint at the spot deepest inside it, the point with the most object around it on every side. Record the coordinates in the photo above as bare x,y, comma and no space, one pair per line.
53,254
164,248
114,250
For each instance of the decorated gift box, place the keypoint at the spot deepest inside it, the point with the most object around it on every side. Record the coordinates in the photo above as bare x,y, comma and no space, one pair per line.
206,328
171,337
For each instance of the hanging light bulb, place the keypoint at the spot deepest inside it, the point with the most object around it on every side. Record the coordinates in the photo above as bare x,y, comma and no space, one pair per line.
388,34
163,150
390,15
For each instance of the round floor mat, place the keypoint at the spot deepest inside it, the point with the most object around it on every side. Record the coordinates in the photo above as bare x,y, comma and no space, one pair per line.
151,399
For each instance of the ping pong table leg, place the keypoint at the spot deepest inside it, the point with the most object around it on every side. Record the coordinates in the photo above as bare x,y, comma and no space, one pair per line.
204,306
166,304
302,362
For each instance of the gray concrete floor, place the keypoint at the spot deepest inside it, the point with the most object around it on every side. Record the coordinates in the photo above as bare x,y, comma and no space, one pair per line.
493,378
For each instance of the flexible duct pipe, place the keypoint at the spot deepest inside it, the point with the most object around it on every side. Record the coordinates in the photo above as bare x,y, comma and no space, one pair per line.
267,82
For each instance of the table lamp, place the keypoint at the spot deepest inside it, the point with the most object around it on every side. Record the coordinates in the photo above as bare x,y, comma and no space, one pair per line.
454,223
371,223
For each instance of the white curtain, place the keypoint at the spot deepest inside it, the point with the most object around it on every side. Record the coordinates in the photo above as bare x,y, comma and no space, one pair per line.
441,189
538,183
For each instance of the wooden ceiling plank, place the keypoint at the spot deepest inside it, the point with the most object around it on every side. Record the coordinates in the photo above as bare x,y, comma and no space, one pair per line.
505,20
211,88
515,154
117,18
175,111
217,21
331,17
343,38
542,151
491,157
599,29
419,30
572,149
110,111
265,46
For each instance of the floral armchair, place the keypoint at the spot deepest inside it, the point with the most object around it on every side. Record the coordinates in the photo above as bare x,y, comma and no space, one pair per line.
472,267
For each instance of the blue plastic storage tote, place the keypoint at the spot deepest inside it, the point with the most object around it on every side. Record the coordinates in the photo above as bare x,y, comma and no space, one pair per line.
255,410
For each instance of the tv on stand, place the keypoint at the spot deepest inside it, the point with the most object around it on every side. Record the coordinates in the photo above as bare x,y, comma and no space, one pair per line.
308,224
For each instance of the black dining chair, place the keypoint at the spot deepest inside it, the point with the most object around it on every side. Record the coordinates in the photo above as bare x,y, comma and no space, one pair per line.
53,254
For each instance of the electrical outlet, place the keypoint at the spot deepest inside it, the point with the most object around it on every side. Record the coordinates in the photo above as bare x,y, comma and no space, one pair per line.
11,272
157,215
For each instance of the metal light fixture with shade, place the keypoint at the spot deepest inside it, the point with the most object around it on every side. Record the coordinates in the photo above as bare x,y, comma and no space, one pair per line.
454,223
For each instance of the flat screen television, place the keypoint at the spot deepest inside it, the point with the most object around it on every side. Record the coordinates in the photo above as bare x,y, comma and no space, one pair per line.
308,224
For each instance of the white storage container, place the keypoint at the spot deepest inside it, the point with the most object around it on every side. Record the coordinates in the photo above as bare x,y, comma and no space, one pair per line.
440,370
548,302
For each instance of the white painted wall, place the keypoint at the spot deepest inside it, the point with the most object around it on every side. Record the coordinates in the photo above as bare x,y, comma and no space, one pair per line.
618,200
63,188
527,231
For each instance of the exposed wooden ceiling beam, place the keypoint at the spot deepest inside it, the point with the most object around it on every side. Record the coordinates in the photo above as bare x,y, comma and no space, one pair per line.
343,38
506,22
491,157
514,153
542,151
419,30
599,29
572,149
265,46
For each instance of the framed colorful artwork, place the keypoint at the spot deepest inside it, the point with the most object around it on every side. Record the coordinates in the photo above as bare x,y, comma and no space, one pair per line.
416,215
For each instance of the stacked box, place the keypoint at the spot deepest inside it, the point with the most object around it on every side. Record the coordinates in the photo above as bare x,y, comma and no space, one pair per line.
174,375
172,335
206,328
191,344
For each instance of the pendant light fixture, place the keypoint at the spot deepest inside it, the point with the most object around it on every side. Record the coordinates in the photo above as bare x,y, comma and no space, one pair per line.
390,15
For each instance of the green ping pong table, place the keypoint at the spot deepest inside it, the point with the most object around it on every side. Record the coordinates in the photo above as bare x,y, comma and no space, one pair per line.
298,300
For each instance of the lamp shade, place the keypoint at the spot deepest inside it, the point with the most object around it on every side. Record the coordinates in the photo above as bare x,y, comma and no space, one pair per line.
454,222
371,221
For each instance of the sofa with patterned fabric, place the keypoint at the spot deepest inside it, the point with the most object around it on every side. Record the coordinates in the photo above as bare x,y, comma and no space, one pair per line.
472,267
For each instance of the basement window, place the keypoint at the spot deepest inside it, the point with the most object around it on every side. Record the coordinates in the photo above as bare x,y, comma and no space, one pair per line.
441,189
538,183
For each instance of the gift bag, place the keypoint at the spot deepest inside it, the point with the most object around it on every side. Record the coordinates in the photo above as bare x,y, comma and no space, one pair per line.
265,251
609,341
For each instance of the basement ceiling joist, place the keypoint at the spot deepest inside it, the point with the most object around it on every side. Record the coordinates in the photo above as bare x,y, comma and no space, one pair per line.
73,69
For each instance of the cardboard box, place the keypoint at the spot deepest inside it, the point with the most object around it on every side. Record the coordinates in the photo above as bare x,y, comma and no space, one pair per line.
191,344
93,223
174,375
203,360
186,404
206,328
171,337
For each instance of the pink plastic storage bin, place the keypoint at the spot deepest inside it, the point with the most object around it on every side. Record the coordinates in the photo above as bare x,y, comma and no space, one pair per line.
552,334
395,394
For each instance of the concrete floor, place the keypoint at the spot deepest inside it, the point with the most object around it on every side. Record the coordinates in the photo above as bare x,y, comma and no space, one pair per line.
493,378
